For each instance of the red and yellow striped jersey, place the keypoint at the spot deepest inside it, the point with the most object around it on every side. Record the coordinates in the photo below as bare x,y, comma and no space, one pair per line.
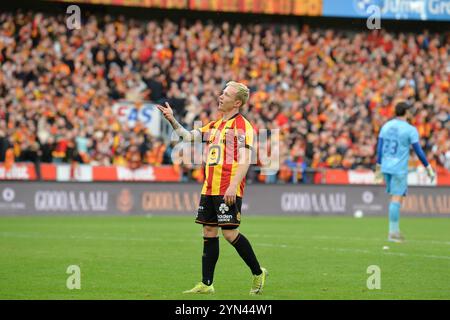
223,140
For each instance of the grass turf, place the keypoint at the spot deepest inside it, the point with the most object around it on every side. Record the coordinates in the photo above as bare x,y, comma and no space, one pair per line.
158,257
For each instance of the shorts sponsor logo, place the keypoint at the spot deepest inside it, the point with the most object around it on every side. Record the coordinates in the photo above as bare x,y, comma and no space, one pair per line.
223,208
224,217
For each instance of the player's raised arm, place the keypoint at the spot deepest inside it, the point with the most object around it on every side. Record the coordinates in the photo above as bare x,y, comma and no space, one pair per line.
179,129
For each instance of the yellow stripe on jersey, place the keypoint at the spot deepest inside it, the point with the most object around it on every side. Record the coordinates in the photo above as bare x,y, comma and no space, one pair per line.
249,134
233,173
206,179
215,190
219,171
210,128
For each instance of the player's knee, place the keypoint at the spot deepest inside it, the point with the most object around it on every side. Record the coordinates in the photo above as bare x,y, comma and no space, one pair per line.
230,235
210,232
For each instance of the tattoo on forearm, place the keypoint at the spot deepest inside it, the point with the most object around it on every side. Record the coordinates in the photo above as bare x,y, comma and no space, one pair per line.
180,130
175,124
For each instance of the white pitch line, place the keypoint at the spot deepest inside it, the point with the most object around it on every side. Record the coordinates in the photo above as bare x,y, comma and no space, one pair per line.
112,238
402,254
447,243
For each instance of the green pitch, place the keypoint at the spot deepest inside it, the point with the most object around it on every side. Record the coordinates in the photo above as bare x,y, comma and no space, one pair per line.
159,257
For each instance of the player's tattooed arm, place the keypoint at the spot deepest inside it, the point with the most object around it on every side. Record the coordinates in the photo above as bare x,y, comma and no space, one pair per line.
177,127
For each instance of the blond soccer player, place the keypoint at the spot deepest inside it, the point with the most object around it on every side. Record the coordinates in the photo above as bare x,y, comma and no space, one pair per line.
229,143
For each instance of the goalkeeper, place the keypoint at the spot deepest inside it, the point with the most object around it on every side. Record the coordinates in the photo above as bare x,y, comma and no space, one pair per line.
392,161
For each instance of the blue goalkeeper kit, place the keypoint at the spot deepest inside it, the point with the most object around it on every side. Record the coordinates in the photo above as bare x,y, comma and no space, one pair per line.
394,141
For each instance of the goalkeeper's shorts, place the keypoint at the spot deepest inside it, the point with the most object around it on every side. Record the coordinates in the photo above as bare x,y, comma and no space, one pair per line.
396,184
213,211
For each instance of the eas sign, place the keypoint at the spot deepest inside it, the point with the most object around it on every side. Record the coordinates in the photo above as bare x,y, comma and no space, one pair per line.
130,114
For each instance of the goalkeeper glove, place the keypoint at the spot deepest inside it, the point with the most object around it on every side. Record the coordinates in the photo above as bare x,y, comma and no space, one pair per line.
378,174
430,172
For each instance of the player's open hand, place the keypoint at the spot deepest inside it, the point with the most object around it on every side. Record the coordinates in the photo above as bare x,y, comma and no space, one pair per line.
430,172
230,195
166,111
378,175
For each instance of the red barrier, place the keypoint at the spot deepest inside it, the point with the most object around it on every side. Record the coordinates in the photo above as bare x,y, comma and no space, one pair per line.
336,176
167,173
443,176
66,172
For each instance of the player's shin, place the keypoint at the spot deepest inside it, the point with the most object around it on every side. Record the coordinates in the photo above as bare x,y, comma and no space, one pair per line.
209,259
245,250
394,217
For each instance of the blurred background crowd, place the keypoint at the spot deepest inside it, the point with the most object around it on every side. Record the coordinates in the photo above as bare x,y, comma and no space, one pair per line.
328,91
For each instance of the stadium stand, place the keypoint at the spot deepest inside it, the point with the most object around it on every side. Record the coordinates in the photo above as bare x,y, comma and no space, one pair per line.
329,91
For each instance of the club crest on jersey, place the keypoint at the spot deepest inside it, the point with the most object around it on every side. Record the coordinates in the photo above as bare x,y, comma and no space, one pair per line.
223,208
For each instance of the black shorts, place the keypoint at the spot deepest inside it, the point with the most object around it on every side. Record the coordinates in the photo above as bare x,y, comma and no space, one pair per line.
212,211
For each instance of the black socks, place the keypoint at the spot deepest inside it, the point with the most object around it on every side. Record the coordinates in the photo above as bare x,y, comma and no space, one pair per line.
211,255
209,259
244,248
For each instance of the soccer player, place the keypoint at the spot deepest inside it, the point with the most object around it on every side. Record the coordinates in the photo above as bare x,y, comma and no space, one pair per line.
229,146
394,140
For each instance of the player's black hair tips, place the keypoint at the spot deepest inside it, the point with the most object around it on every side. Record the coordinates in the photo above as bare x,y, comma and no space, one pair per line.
400,109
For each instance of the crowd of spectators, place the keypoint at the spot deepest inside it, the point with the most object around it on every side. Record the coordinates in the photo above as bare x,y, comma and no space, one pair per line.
328,91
